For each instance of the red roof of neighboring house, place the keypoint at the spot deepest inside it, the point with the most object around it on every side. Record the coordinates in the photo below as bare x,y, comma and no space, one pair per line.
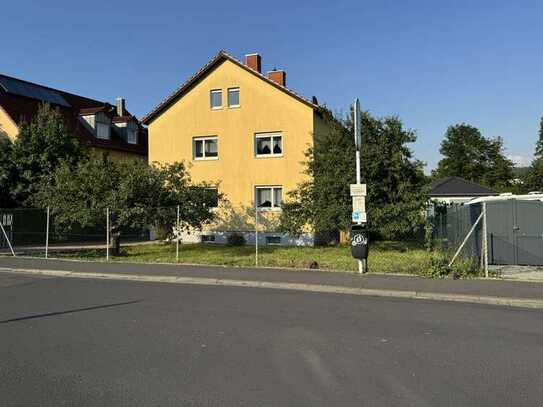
220,57
23,108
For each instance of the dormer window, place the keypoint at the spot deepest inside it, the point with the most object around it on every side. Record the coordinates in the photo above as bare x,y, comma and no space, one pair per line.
102,131
103,126
131,136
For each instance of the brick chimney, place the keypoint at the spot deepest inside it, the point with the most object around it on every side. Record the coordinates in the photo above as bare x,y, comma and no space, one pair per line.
120,106
279,77
254,61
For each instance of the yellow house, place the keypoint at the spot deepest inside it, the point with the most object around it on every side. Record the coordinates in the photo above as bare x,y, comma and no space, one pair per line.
100,126
244,131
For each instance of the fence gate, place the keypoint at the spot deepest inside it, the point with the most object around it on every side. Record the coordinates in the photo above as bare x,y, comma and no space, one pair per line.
528,231
516,232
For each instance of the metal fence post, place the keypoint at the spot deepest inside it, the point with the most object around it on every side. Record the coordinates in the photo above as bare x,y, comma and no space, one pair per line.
177,237
107,234
256,236
485,241
7,239
47,235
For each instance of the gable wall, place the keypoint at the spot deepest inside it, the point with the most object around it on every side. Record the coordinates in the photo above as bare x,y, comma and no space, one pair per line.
263,108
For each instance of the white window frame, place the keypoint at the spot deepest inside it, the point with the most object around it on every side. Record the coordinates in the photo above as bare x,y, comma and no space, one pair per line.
271,135
228,97
272,188
98,124
211,92
204,139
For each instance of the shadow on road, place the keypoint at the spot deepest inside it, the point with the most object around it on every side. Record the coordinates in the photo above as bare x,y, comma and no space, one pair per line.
71,311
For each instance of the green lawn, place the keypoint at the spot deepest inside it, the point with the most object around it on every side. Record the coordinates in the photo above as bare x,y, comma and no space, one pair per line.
385,257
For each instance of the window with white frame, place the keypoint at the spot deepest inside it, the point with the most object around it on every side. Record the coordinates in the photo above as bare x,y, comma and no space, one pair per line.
268,144
205,148
132,136
233,97
215,99
102,131
269,197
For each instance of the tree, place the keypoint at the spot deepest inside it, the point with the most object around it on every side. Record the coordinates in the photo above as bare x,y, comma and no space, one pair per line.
533,179
40,147
467,154
395,180
539,144
6,172
133,191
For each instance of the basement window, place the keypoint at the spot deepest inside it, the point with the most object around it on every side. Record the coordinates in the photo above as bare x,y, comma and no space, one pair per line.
207,238
273,240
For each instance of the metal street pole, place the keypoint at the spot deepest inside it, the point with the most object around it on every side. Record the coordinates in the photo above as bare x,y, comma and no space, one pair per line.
107,234
358,142
47,235
177,237
485,241
256,236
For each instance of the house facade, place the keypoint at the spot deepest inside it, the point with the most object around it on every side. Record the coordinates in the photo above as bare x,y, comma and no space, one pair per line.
100,126
238,128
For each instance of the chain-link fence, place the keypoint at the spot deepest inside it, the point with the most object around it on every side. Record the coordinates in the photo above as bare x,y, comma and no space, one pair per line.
236,237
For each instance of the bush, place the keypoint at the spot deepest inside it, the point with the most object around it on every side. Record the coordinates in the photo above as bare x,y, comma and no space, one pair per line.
438,267
235,239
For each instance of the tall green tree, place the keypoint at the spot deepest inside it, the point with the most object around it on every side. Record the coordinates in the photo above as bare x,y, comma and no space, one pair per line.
40,147
533,180
468,154
396,182
136,194
6,172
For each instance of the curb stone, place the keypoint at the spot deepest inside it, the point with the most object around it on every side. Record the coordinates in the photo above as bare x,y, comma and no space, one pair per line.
330,289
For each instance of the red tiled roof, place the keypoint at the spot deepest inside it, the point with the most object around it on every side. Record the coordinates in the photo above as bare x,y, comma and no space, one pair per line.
23,108
221,56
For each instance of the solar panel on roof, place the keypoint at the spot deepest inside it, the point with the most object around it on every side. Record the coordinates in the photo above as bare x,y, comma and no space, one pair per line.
30,90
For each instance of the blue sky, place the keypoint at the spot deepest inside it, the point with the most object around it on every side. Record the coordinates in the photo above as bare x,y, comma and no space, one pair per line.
432,63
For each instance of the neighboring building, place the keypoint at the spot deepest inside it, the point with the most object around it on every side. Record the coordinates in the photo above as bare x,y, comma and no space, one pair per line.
100,126
457,190
238,128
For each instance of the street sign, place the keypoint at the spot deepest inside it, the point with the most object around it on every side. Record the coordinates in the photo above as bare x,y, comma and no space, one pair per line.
358,189
359,217
359,204
357,123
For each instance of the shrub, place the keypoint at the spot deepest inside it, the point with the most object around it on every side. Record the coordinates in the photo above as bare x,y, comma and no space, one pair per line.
438,267
236,239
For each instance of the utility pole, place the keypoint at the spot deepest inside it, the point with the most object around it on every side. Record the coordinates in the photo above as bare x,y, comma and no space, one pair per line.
359,238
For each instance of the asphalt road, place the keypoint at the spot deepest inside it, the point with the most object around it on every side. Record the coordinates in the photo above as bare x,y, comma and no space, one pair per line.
73,342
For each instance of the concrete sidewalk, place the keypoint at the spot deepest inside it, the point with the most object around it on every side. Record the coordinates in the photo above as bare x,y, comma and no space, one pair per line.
481,291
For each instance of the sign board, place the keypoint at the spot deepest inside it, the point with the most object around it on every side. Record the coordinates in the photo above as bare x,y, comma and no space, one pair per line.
359,217
358,189
357,124
359,204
